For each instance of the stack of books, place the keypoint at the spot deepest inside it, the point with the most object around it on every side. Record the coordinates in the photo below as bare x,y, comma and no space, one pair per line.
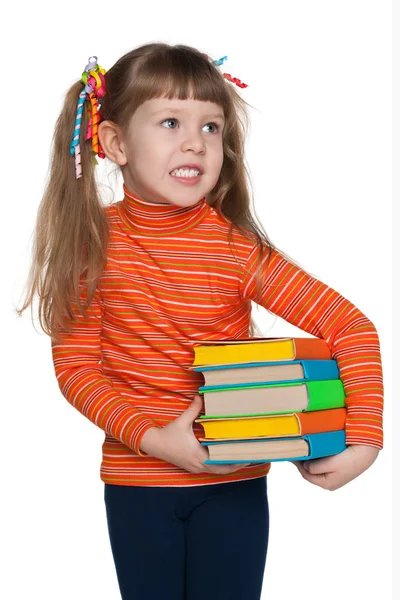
270,399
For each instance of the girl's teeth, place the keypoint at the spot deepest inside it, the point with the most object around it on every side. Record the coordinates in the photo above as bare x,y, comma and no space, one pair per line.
185,173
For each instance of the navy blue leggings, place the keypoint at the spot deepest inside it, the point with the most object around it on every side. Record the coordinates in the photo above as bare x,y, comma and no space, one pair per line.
189,543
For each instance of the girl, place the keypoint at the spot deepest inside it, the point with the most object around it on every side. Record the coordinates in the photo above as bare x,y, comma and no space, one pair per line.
130,288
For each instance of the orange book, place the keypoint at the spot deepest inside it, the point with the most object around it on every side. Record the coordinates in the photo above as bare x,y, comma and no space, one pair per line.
295,424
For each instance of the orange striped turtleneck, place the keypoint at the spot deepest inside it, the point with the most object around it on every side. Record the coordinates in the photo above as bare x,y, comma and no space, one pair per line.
171,280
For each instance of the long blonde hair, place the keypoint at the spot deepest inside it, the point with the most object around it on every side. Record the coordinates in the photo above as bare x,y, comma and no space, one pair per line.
71,232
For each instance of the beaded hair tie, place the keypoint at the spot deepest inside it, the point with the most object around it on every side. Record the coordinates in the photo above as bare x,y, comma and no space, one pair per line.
92,94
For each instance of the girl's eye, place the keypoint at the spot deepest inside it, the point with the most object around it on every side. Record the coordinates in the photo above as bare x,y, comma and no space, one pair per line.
168,121
176,120
215,125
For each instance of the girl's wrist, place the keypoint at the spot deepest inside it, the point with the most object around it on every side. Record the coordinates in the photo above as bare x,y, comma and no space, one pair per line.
148,443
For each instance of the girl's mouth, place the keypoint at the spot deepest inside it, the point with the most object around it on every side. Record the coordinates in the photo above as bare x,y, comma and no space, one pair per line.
187,177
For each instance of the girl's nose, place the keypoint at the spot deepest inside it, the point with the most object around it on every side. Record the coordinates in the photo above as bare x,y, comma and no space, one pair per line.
193,141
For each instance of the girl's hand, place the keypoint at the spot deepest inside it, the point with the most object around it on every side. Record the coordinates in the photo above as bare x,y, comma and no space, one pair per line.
332,472
177,444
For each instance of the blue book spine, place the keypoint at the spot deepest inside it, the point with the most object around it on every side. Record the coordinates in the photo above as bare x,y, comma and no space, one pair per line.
321,444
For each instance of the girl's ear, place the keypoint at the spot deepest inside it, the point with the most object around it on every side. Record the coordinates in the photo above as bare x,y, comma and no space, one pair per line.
110,140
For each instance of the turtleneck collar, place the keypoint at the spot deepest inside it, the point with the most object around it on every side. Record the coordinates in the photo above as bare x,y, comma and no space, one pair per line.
148,218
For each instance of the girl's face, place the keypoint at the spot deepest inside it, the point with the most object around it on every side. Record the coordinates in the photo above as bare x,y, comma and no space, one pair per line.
166,134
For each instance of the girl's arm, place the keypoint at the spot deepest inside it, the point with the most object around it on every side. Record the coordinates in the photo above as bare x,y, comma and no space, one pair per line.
311,305
77,364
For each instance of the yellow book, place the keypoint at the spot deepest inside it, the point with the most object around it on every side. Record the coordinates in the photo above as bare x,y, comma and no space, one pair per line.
250,427
274,425
260,349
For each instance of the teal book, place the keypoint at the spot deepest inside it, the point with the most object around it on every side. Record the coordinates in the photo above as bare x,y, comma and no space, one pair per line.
306,447
268,372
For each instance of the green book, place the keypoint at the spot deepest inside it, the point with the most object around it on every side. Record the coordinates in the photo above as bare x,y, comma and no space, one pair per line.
285,397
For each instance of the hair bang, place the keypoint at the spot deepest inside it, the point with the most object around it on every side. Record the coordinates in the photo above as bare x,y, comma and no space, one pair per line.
187,81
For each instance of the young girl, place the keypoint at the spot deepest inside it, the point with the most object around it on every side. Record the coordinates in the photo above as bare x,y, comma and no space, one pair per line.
131,287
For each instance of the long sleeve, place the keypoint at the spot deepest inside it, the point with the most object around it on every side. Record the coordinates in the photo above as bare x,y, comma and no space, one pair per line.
311,305
77,364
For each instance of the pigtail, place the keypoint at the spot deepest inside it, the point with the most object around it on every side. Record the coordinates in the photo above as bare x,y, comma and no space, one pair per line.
71,231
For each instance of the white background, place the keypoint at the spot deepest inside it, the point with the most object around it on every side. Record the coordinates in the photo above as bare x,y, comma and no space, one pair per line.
320,154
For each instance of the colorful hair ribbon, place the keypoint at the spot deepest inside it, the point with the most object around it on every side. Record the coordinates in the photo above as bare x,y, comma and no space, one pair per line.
227,75
93,79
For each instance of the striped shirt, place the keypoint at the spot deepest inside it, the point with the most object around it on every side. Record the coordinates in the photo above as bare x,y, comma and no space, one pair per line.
171,280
